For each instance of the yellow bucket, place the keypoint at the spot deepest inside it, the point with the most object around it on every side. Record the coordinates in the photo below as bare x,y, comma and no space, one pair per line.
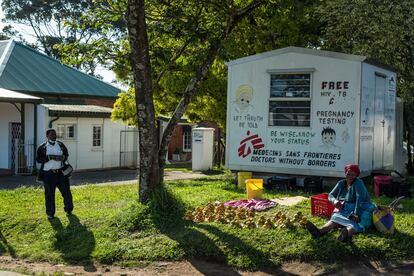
242,177
254,188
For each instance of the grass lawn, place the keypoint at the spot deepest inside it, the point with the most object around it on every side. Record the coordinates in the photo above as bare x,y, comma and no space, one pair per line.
180,166
109,226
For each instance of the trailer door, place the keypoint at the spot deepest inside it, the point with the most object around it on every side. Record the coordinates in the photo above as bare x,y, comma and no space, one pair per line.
379,121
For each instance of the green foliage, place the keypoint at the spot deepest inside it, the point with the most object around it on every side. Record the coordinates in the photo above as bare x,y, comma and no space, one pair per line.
109,226
380,30
125,108
276,25
179,33
49,21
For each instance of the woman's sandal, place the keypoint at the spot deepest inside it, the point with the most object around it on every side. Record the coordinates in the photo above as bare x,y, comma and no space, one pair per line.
313,229
343,236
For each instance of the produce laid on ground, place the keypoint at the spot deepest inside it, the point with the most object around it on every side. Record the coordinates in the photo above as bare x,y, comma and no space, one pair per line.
243,217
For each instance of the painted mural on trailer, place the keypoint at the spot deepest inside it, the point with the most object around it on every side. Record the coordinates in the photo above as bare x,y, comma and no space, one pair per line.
324,142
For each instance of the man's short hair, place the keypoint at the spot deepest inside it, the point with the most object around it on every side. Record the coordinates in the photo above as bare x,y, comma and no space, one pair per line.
49,131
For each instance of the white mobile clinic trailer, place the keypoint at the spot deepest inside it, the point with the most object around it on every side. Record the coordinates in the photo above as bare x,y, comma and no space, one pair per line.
309,112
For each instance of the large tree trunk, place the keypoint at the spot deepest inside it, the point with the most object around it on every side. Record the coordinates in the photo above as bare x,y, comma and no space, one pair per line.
149,171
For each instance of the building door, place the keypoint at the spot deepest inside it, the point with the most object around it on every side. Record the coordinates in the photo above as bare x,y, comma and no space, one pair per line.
129,150
379,122
15,130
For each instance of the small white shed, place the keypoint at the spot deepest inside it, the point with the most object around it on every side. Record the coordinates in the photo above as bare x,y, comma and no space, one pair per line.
309,112
92,138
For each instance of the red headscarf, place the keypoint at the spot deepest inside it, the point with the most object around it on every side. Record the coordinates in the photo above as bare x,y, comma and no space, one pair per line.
352,168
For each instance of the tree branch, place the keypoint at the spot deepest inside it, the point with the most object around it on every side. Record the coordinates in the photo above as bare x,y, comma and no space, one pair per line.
215,46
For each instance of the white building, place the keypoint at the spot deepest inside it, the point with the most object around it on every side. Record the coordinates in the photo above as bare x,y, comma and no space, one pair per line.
308,112
37,93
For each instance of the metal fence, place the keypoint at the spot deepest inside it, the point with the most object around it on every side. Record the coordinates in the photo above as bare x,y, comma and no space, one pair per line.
23,158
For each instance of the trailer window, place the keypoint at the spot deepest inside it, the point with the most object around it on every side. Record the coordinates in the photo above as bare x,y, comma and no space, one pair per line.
289,103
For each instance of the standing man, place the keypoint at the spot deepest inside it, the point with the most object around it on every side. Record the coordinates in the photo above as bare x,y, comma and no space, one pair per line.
52,154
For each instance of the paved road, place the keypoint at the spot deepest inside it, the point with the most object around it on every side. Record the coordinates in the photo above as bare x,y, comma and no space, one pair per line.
93,177
8,273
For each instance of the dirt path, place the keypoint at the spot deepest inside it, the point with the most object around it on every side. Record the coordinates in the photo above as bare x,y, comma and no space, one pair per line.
198,267
193,267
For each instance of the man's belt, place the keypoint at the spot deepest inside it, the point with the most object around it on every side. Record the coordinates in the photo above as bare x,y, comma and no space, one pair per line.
54,171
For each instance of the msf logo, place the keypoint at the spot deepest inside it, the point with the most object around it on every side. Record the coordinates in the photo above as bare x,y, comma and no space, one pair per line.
251,142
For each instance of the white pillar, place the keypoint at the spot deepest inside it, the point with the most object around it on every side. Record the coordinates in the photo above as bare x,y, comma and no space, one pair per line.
202,148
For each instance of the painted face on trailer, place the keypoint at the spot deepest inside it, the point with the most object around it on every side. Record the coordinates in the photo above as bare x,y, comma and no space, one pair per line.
244,96
243,101
328,138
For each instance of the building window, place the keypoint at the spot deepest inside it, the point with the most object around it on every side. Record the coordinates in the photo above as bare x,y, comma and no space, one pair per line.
290,101
187,141
97,136
60,131
70,131
65,131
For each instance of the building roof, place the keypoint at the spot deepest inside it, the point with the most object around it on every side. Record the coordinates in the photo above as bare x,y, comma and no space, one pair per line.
16,97
91,111
26,70
307,51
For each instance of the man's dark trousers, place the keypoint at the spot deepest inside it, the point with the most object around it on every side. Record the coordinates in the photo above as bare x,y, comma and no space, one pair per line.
51,181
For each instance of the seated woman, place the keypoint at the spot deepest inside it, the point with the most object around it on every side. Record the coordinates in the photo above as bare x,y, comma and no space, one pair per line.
353,207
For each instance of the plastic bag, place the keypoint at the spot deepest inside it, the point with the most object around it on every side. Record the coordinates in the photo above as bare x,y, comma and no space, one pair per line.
383,217
67,169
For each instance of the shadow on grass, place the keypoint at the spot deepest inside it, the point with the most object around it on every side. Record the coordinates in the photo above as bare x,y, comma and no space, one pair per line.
213,172
201,241
178,166
198,182
201,180
399,241
75,242
5,246
365,248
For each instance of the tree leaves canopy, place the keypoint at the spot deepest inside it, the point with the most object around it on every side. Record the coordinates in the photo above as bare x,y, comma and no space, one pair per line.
48,20
179,33
380,30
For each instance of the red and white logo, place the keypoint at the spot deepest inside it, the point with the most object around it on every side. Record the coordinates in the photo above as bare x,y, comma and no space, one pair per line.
251,142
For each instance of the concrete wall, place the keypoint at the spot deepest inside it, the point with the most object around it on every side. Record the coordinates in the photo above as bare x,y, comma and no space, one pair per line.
176,140
82,154
8,114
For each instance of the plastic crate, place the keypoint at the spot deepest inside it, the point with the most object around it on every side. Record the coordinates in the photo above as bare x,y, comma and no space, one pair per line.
383,185
320,206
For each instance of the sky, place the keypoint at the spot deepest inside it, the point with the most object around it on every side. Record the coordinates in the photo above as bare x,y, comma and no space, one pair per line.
27,33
